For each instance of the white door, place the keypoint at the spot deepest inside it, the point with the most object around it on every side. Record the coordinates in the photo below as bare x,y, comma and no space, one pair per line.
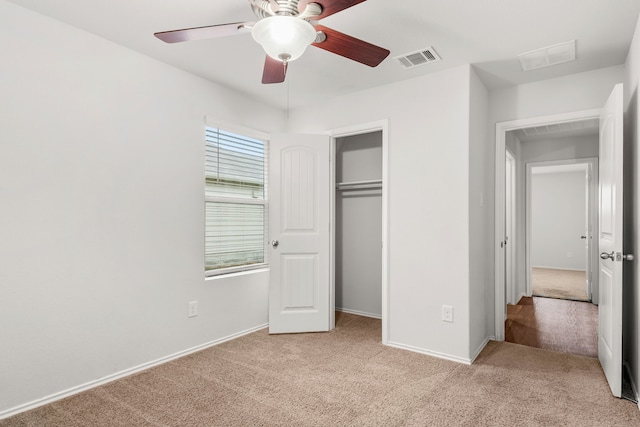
610,241
586,235
299,220
510,215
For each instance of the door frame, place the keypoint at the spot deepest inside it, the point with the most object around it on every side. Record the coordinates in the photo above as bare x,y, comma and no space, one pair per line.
499,214
511,206
376,126
592,215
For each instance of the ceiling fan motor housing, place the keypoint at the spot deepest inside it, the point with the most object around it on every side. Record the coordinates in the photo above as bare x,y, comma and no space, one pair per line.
288,7
266,8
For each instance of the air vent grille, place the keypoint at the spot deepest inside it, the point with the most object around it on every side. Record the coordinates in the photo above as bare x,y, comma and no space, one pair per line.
582,125
548,56
421,57
559,130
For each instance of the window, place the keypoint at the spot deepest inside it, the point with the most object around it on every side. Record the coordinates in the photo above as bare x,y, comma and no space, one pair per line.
236,206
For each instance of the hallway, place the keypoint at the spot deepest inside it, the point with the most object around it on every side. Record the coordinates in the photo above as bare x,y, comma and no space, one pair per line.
554,324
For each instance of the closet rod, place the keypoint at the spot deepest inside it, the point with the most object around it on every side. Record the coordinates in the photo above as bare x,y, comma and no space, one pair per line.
359,185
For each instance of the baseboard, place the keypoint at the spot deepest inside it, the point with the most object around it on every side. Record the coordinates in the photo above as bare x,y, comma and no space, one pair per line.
480,348
558,268
121,374
439,355
359,313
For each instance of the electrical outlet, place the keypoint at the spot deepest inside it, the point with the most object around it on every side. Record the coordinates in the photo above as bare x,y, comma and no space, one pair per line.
193,308
447,313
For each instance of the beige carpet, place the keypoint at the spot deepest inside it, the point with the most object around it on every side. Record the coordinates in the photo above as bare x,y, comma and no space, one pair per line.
563,284
347,378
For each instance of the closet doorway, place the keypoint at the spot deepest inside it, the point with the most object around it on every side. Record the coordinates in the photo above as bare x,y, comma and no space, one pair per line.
359,235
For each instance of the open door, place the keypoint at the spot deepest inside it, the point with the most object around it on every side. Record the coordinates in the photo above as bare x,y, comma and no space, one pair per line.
586,235
610,241
299,229
510,224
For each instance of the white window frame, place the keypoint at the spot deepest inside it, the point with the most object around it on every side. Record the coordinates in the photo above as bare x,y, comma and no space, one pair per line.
251,133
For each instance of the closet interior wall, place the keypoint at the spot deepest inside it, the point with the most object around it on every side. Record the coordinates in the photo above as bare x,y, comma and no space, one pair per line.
358,262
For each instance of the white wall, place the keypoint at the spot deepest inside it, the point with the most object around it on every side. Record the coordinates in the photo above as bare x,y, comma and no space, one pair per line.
429,200
480,241
359,157
576,92
358,285
560,148
631,297
101,218
558,219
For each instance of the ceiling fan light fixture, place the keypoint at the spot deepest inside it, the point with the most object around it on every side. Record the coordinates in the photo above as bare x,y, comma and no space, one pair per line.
284,38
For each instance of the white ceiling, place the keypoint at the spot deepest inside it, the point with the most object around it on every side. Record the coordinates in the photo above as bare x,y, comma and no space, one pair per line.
486,33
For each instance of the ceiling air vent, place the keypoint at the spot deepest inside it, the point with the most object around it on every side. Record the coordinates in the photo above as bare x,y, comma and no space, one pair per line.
421,57
548,56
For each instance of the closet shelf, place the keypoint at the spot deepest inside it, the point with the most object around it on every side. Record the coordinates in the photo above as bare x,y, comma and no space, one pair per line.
359,185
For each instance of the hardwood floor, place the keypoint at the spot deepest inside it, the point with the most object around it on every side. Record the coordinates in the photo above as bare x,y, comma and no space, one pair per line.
554,324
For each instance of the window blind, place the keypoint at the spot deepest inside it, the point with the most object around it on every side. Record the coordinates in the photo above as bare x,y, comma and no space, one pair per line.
235,202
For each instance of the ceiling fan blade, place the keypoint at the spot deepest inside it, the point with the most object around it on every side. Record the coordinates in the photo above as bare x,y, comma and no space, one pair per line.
274,71
351,47
329,7
207,32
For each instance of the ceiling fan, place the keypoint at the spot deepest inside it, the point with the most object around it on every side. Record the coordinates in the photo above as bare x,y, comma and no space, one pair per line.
284,29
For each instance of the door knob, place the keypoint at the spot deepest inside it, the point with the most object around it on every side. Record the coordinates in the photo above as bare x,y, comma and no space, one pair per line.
275,244
618,257
605,255
583,237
